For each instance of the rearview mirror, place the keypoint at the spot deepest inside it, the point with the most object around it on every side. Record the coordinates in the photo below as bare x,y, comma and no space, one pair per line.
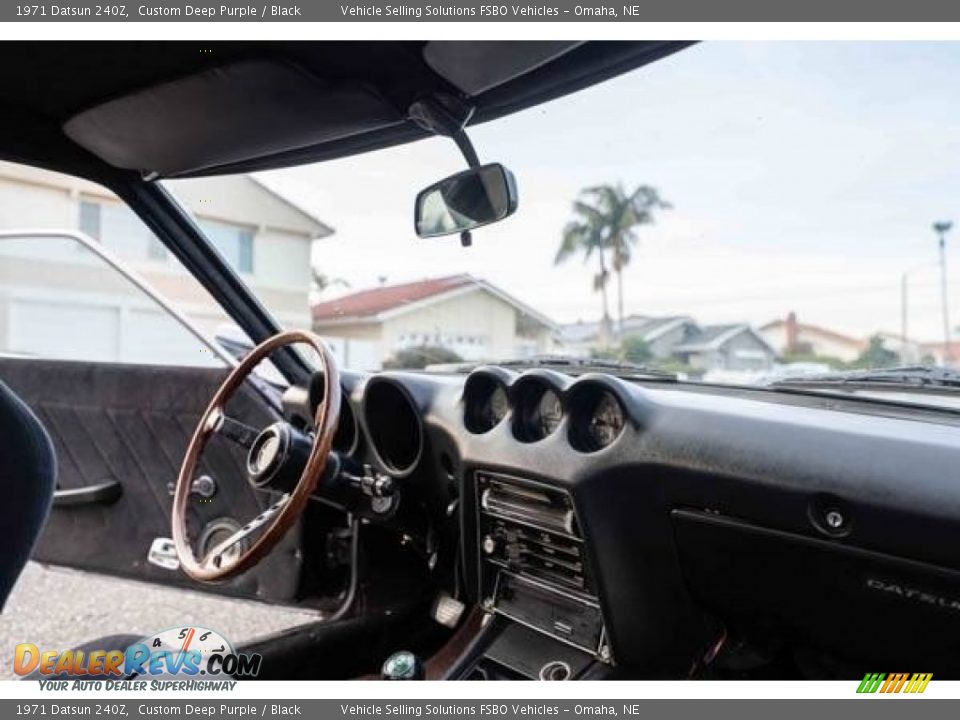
467,200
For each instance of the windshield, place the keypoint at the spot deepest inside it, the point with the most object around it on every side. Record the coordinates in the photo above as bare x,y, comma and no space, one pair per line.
764,211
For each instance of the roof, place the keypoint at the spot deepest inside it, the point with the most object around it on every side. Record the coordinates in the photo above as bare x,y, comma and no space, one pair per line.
148,107
324,229
649,328
816,330
372,302
952,354
655,327
241,199
713,337
380,303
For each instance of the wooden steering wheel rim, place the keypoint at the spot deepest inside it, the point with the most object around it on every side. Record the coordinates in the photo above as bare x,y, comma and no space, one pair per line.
325,426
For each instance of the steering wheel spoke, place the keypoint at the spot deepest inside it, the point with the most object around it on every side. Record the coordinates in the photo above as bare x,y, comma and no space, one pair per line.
214,557
233,430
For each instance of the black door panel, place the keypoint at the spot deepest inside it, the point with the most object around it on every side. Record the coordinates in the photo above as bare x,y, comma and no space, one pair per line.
129,425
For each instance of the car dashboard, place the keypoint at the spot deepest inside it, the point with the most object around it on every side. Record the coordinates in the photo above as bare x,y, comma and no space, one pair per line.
609,527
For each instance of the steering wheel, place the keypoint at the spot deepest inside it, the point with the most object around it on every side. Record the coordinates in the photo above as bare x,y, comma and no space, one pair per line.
279,458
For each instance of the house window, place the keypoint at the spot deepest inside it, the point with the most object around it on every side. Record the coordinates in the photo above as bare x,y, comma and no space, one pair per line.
234,242
119,230
90,219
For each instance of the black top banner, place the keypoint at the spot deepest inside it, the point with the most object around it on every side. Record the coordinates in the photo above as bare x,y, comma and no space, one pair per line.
473,11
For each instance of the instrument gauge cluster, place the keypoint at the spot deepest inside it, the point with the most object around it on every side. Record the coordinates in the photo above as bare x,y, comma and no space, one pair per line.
537,405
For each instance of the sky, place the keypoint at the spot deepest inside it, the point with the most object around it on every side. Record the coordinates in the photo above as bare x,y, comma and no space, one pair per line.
803,177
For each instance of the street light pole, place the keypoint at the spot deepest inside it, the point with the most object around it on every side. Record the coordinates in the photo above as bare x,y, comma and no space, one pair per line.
942,228
906,354
903,309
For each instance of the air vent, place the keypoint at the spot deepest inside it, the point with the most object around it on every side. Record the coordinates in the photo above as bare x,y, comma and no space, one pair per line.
550,510
531,531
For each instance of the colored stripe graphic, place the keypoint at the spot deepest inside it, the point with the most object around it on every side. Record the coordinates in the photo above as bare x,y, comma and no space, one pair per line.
919,682
871,682
894,683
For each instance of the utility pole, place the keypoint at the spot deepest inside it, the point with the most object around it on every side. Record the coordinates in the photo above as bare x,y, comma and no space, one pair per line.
907,355
903,309
941,228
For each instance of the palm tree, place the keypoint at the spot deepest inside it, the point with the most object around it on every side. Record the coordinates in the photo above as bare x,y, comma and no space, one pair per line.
622,214
585,234
605,220
323,282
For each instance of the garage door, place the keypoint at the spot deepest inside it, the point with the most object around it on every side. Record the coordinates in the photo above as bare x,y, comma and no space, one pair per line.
70,331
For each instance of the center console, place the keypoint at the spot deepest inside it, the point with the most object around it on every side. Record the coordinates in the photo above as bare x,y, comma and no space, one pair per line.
536,584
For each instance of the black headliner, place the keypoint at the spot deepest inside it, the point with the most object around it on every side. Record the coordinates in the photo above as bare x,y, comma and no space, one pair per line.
48,82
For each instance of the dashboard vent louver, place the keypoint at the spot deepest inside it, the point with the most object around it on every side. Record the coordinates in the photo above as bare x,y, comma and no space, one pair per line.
525,505
532,532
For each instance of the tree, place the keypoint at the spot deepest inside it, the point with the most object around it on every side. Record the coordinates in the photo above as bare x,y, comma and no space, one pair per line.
623,213
636,350
323,282
606,218
876,355
585,234
417,358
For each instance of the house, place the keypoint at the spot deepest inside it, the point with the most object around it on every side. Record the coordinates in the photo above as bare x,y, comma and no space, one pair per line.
736,347
660,333
940,353
468,315
788,336
264,237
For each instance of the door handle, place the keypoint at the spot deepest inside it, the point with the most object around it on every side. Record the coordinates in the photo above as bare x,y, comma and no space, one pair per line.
99,494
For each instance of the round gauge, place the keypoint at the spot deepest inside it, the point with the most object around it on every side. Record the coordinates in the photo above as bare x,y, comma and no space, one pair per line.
606,422
496,406
537,408
485,402
597,417
394,427
548,413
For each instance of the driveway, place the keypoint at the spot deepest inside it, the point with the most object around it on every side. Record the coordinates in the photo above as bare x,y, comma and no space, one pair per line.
57,609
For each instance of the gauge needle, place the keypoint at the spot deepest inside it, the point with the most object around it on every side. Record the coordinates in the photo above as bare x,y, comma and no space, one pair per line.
186,641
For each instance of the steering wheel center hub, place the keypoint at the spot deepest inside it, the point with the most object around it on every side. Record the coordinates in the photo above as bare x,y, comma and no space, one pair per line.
277,457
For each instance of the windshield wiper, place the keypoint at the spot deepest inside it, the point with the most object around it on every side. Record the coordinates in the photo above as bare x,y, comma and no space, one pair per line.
568,364
912,379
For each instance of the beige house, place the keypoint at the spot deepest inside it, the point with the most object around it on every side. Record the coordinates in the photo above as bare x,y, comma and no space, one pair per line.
56,299
471,317
788,335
